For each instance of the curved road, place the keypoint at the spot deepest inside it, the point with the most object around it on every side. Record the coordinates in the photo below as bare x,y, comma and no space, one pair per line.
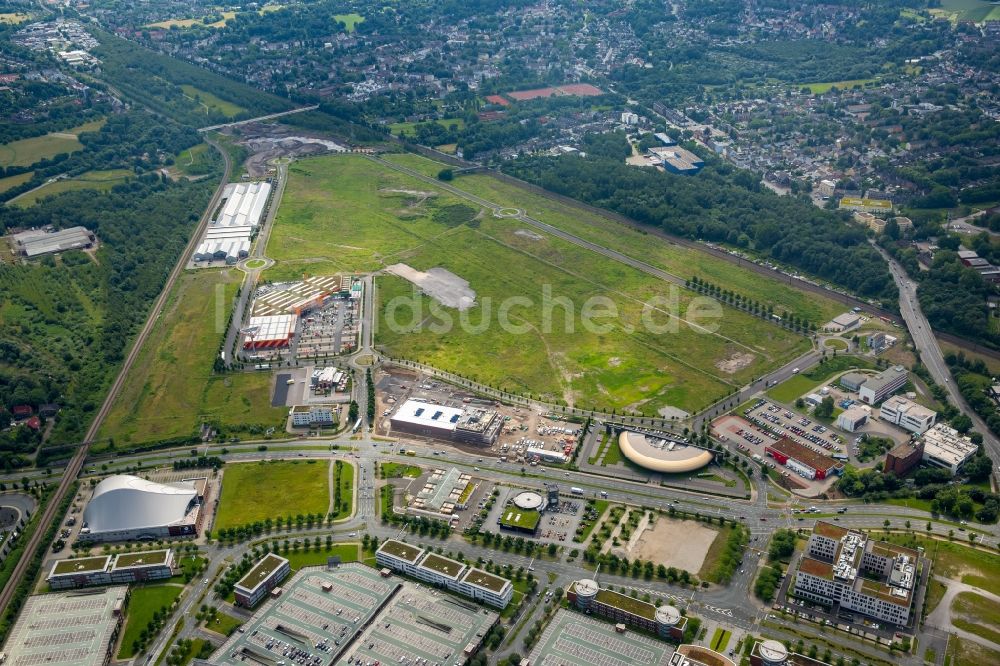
76,463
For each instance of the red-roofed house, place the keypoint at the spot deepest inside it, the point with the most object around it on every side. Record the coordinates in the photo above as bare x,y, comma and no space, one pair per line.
34,423
21,412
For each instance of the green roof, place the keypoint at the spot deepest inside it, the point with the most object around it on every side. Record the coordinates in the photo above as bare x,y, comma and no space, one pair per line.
82,565
135,559
514,517
264,568
627,604
483,579
401,550
442,565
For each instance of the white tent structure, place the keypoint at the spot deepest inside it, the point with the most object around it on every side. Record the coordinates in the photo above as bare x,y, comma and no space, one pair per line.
127,507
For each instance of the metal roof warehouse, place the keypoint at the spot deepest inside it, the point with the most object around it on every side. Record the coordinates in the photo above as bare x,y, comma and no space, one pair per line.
37,242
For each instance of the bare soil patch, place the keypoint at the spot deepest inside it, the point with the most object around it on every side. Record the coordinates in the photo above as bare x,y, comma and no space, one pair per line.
735,363
674,543
440,284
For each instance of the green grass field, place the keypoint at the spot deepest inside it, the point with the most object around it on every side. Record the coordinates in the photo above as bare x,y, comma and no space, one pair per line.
261,490
13,181
514,517
824,87
28,151
680,261
977,614
102,181
349,20
347,213
13,18
409,128
798,385
195,161
398,470
348,553
213,103
223,624
145,600
963,652
171,389
968,10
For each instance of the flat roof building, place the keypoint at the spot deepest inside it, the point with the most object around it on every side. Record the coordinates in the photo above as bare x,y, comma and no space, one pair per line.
352,614
945,447
473,425
877,388
907,414
803,460
269,332
852,381
445,572
696,655
244,204
844,322
853,418
847,569
664,621
903,457
261,579
68,628
38,242
573,638
108,570
774,653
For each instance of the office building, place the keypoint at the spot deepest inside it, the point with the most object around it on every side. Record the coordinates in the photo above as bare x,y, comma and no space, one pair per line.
445,572
774,653
907,414
664,621
261,579
853,418
881,386
848,571
314,416
946,447
110,570
904,457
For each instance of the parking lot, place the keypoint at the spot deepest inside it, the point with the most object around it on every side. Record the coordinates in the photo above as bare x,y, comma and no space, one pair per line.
558,524
330,331
573,639
779,421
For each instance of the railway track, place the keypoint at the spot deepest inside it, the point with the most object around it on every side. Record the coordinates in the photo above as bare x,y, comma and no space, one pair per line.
76,462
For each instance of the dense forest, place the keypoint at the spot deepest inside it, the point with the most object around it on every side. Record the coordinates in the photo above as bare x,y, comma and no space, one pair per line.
66,321
722,204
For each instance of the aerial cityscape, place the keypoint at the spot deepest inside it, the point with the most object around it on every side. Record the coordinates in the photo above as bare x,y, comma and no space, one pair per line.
506,332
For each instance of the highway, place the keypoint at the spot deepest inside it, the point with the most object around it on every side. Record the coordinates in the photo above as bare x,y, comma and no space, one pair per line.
76,463
930,351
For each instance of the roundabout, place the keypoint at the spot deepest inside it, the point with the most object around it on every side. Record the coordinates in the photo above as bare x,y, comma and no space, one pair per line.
256,264
508,212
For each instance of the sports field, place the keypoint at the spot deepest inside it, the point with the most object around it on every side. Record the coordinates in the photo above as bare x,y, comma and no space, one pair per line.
171,389
211,102
348,213
968,10
261,490
13,18
350,21
825,86
102,181
28,151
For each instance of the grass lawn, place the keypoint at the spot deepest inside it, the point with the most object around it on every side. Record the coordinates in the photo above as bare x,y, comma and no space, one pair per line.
171,390
977,614
720,639
349,552
613,455
824,87
347,213
410,128
223,624
13,181
600,506
957,562
28,151
145,600
968,10
836,343
798,385
256,491
214,103
935,592
601,445
792,388
196,160
350,21
524,519
715,551
966,653
102,181
675,259
13,18
392,470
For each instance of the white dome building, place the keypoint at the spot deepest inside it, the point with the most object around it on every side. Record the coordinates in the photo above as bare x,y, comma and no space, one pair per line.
127,507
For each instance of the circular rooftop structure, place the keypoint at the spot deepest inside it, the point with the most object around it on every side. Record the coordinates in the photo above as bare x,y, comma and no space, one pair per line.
528,500
587,587
668,615
773,652
662,455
